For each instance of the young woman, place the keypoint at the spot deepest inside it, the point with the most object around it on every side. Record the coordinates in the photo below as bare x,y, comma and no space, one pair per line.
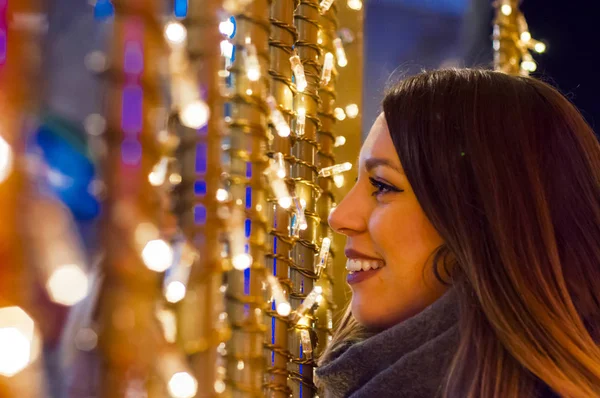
473,245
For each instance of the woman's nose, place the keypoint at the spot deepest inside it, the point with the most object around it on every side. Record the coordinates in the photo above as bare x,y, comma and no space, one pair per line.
348,217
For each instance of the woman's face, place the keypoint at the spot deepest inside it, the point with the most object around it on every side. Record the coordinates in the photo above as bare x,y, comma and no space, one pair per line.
386,228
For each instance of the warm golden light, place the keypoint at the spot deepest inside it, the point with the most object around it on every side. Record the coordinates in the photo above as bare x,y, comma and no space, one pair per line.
339,114
68,284
175,32
352,111
195,114
157,255
19,342
355,4
175,291
241,261
6,159
183,385
539,47
506,9
525,37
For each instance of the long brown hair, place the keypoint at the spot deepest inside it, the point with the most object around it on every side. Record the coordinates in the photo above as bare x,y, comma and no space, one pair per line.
508,172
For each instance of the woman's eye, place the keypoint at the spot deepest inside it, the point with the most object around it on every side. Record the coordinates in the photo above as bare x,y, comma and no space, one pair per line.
381,187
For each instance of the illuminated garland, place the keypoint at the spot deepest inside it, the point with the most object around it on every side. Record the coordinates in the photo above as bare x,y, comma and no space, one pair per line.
512,40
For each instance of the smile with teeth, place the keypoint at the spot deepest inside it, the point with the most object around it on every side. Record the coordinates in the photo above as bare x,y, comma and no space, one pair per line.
354,265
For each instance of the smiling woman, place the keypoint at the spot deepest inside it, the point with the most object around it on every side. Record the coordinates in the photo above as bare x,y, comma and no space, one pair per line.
472,245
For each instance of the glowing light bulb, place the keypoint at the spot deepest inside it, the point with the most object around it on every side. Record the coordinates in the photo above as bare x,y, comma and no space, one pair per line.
340,53
340,140
68,284
227,27
325,6
283,307
280,164
298,70
195,114
352,111
338,180
506,9
323,256
241,261
528,64
285,202
251,61
157,255
19,342
220,386
182,385
525,37
300,121
539,47
335,169
282,127
327,69
175,33
222,195
6,159
339,114
159,173
175,291
355,5
226,48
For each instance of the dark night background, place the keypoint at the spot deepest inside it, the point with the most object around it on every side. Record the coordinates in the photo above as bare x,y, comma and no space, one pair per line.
403,36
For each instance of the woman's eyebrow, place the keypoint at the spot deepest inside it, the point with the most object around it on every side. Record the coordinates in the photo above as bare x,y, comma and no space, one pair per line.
371,163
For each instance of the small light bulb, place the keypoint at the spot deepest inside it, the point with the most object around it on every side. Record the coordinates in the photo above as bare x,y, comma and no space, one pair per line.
355,5
539,47
325,6
242,261
220,386
298,70
528,64
175,32
340,53
283,129
352,111
338,180
251,61
339,114
284,309
327,69
159,173
222,195
67,285
335,169
506,9
280,164
300,121
183,385
226,48
157,255
6,159
227,27
525,37
194,115
340,140
175,292
285,203
18,341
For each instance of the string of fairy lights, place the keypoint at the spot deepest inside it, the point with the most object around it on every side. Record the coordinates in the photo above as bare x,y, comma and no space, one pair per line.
512,41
